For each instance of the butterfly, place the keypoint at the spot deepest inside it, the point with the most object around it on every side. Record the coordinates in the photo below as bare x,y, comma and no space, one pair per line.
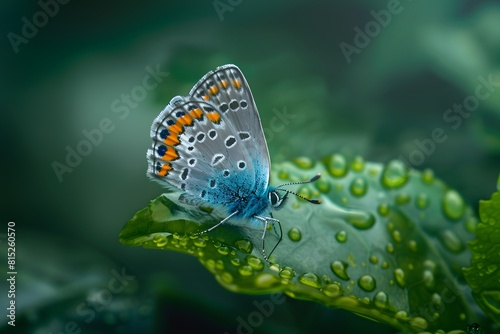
210,146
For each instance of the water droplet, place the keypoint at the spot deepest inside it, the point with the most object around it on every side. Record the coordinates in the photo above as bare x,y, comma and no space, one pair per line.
245,270
294,234
157,237
452,241
333,290
219,264
244,245
339,269
491,268
383,209
474,328
385,265
283,174
429,264
310,279
358,186
389,248
422,201
254,262
322,185
381,300
428,278
399,275
303,162
395,174
361,220
287,273
200,242
396,236
373,259
236,261
357,163
337,165
453,205
402,198
427,176
401,315
223,250
470,224
183,242
273,265
418,323
436,301
412,245
210,264
161,241
226,277
367,283
266,280
341,236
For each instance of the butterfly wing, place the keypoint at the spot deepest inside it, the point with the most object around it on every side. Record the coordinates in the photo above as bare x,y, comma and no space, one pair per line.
211,145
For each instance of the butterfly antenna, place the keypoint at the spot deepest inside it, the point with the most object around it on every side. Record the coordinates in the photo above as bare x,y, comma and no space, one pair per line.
314,178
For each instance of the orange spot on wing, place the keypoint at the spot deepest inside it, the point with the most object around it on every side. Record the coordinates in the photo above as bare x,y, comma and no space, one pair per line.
170,155
196,113
213,116
237,84
177,128
213,90
172,139
205,97
185,120
164,170
223,83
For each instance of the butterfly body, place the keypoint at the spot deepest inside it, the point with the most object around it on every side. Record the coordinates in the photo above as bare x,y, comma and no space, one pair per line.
210,146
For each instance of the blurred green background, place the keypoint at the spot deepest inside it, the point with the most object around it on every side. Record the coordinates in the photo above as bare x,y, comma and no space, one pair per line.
382,97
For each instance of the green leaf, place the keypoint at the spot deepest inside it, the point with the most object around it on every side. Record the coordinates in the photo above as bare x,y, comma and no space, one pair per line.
387,243
483,275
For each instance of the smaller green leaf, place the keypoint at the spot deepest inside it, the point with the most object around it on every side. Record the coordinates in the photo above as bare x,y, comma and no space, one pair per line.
483,275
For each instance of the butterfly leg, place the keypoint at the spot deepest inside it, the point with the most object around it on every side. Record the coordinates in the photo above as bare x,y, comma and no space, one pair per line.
274,228
266,222
218,224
